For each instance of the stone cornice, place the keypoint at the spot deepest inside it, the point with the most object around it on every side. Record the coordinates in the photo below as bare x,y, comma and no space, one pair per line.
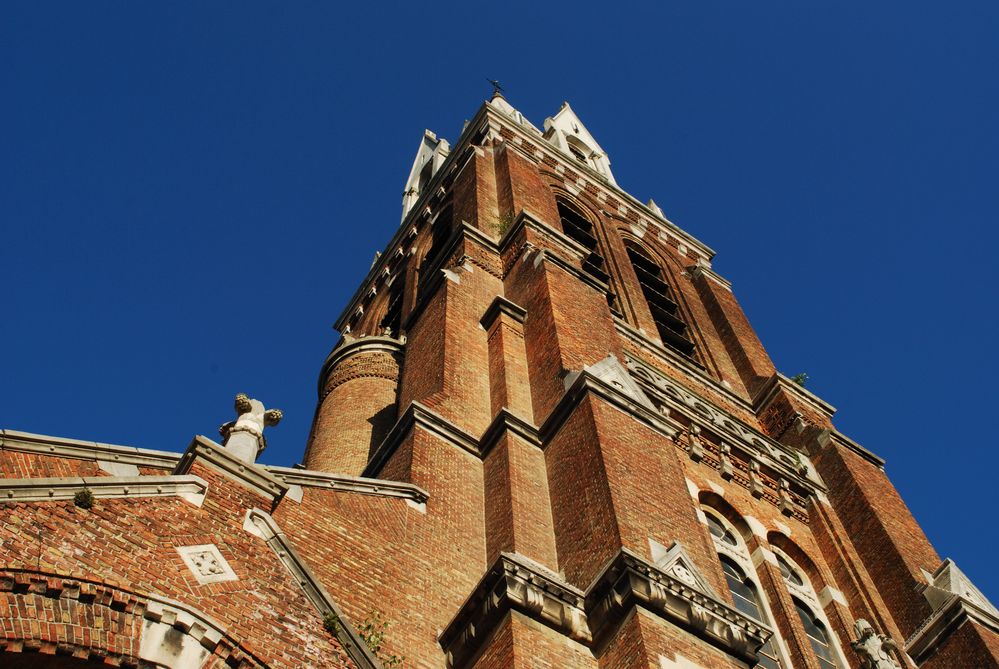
783,459
837,438
629,580
779,382
519,584
506,421
189,488
515,583
343,483
251,476
501,305
675,359
934,632
418,414
347,348
60,447
526,219
261,524
462,232
585,383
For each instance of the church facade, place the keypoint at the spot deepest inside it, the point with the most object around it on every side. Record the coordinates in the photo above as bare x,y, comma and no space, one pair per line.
548,438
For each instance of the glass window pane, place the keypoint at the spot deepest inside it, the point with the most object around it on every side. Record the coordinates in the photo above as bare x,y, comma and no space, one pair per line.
817,636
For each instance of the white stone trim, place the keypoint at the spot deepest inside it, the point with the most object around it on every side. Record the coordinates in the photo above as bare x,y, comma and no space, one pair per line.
190,488
207,563
308,478
260,524
27,442
757,528
831,594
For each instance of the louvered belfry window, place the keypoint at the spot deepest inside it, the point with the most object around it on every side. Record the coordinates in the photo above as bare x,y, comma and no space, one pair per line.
440,235
665,311
579,229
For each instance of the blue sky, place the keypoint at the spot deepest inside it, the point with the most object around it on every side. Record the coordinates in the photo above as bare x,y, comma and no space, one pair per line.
189,193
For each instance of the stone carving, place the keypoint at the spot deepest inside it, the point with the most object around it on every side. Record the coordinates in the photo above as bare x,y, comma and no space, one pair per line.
873,649
207,564
755,480
725,467
245,435
694,447
784,492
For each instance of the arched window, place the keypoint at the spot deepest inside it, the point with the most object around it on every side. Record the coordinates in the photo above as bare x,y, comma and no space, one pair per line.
737,565
391,322
823,642
817,635
719,531
747,600
665,311
440,233
578,228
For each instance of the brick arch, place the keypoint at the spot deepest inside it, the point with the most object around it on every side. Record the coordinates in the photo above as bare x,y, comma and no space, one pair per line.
815,573
62,622
725,508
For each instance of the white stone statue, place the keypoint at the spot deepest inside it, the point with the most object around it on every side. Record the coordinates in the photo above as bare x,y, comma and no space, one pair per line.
244,437
873,649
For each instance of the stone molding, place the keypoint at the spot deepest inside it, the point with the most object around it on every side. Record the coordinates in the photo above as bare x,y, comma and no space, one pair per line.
347,348
501,305
668,355
418,414
516,583
61,447
507,421
954,600
704,270
584,383
190,488
783,459
308,478
629,580
260,524
837,438
252,476
779,382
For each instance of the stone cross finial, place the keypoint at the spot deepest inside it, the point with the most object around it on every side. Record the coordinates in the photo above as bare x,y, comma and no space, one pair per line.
873,649
244,437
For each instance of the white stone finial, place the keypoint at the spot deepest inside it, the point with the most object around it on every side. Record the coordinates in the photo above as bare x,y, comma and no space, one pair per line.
244,437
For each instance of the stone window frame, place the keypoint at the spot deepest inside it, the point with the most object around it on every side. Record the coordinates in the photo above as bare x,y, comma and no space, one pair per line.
740,555
806,594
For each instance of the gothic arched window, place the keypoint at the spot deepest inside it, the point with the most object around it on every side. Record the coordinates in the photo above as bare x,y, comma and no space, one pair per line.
440,233
577,227
747,600
659,297
391,322
737,565
817,635
719,531
823,643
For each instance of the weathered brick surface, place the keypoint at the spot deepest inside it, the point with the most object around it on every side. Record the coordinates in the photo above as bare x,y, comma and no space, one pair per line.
356,413
123,549
601,479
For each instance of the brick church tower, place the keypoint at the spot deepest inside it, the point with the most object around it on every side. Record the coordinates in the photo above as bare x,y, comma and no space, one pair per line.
549,438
